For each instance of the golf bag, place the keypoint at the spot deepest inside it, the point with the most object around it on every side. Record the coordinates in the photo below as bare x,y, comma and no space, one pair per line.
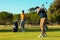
15,27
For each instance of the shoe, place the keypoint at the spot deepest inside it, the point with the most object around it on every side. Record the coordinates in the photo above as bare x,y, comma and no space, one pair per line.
41,36
45,35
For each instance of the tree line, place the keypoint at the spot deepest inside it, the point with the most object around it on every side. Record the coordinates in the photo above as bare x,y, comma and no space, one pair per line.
53,15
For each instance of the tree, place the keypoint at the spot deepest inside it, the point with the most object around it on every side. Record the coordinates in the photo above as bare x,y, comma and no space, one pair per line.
55,11
31,9
32,17
5,17
16,17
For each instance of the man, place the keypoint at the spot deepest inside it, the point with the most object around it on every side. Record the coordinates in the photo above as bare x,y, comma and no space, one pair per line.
42,14
23,19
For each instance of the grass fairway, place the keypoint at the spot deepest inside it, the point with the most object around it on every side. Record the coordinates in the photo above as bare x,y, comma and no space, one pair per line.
53,33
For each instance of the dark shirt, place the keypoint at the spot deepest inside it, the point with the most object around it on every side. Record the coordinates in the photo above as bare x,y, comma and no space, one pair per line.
42,13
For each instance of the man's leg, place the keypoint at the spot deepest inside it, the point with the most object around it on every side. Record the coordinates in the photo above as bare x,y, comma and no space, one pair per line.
22,26
45,26
42,27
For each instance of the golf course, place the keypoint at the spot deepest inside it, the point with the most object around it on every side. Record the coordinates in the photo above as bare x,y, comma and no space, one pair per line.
53,33
29,19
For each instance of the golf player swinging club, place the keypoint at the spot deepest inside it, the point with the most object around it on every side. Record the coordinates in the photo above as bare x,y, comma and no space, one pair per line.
42,14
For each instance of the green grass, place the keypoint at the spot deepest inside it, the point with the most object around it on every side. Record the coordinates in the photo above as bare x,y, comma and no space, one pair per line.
31,33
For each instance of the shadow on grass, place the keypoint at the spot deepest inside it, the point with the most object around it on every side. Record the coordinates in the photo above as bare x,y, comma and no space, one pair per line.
31,30
5,30
53,29
38,30
54,36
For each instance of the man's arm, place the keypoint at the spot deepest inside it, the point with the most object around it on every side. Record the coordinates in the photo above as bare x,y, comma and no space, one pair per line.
45,9
38,11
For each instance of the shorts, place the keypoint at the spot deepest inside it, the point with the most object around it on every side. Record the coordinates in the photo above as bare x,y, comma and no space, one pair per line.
42,15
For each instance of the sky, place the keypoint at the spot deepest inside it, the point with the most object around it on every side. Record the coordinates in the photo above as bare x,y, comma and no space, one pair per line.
16,6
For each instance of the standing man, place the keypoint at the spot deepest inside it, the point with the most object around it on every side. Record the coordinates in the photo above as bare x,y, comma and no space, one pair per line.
23,19
42,14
